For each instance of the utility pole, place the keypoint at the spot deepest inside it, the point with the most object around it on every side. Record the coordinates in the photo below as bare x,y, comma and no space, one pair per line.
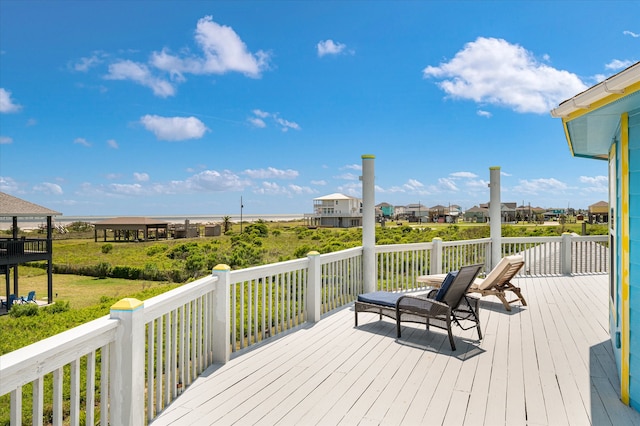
241,206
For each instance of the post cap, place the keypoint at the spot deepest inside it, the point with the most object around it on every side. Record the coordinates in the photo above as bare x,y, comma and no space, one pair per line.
127,304
313,253
221,267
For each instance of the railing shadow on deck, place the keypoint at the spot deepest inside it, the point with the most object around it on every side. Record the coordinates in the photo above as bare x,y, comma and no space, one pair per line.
184,332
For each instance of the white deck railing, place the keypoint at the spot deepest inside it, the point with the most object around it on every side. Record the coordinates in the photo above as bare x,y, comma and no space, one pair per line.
144,357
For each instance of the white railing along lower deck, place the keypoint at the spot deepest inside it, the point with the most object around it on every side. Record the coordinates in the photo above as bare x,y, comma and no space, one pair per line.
129,380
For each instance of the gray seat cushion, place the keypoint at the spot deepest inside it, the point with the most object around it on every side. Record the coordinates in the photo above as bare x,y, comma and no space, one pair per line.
383,298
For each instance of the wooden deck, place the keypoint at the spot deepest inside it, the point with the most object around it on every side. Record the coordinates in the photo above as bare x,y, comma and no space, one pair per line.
548,363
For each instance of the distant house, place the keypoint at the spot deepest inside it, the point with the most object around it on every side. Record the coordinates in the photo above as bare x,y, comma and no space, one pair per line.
416,212
603,123
335,211
599,212
507,211
477,214
385,210
16,250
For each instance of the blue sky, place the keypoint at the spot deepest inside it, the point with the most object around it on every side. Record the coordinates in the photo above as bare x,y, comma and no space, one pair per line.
183,107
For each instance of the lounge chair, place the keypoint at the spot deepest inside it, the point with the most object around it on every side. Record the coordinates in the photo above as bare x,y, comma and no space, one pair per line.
31,298
496,283
440,307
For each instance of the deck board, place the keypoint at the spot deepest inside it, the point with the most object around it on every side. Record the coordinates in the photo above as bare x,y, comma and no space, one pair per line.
548,363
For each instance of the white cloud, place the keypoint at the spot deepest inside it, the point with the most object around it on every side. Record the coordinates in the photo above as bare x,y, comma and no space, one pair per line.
222,51
261,114
127,189
112,143
82,141
357,167
617,64
272,188
49,188
483,113
8,185
300,190
86,63
329,47
7,104
631,33
595,183
540,186
347,176
31,122
319,182
468,175
4,140
271,173
141,177
258,120
447,184
212,180
286,124
413,184
494,71
140,73
174,128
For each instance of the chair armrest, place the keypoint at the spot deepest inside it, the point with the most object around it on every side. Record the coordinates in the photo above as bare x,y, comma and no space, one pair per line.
422,305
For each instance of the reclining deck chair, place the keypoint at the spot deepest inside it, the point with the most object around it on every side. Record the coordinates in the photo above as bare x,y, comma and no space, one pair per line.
440,307
496,283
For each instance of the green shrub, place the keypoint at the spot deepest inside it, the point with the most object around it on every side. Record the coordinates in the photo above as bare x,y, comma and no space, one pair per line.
57,307
24,310
107,248
155,249
103,269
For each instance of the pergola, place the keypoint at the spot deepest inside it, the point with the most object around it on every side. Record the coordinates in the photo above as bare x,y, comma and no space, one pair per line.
15,251
129,228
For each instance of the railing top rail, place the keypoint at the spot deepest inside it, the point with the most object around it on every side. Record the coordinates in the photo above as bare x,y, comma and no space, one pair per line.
531,239
466,242
386,248
166,302
26,364
342,254
270,269
590,237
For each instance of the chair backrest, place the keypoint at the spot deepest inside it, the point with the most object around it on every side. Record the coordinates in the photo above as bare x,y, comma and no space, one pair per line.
11,300
460,284
504,271
31,296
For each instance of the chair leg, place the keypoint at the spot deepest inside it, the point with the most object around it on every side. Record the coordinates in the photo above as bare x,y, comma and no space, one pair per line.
504,301
451,342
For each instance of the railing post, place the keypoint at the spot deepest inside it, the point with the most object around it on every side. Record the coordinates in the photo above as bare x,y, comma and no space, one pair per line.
370,276
221,314
126,369
314,285
495,215
565,259
436,256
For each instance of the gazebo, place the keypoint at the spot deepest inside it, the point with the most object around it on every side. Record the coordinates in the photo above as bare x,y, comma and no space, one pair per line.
16,250
129,228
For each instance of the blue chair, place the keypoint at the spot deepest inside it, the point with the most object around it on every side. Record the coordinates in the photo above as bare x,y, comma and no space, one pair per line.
31,298
9,303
